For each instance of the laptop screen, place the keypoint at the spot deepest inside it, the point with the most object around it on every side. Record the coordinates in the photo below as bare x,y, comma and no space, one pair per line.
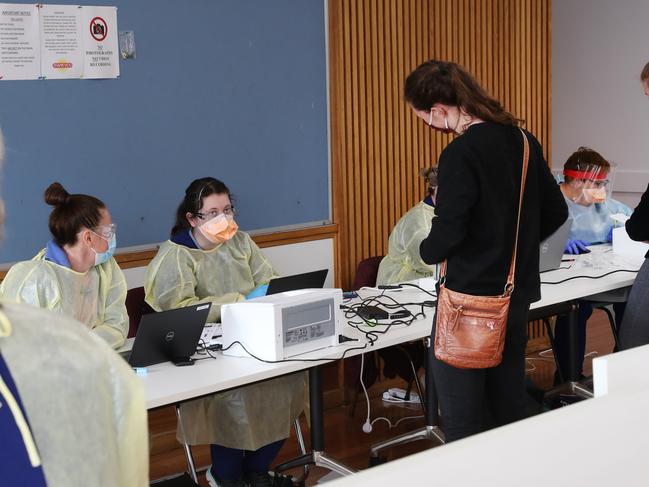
552,248
168,335
308,280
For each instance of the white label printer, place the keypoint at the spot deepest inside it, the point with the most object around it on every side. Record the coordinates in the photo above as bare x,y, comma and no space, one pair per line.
282,325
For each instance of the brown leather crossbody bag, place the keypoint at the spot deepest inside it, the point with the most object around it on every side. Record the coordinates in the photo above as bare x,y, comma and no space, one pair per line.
470,330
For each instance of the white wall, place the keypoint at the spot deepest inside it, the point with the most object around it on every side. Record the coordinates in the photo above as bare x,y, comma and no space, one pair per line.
286,259
598,50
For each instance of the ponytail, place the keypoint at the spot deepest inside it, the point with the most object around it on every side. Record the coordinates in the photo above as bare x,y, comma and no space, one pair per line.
446,82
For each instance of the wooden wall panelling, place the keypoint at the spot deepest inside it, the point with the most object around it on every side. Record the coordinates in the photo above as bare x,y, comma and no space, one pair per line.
378,146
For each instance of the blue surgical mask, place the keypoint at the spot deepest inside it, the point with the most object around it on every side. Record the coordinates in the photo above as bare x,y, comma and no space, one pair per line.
103,257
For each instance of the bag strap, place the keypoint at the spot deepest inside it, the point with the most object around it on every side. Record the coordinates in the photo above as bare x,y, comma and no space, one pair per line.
509,287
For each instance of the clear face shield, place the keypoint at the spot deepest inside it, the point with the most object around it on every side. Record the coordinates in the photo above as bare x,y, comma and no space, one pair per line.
590,183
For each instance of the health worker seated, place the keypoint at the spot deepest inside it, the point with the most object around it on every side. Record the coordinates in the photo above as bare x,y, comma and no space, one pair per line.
206,260
75,274
403,261
587,188
72,412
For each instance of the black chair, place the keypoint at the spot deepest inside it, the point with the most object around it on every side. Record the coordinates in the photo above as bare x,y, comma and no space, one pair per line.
136,306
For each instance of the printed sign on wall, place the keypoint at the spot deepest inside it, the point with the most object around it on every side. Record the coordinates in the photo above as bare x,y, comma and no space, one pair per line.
19,44
58,42
100,42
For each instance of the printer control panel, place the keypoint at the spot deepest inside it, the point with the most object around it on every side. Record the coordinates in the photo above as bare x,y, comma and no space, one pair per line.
310,321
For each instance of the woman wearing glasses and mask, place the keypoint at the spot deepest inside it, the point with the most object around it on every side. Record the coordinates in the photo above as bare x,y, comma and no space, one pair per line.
207,260
75,274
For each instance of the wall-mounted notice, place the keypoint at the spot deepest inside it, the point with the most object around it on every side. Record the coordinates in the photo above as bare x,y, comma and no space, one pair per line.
61,55
19,44
100,42
58,41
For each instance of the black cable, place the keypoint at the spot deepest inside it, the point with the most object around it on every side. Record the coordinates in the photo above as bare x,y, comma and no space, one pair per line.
589,277
294,359
419,287
204,349
351,311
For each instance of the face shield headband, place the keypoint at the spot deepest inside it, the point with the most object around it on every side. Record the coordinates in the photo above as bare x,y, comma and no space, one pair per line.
588,175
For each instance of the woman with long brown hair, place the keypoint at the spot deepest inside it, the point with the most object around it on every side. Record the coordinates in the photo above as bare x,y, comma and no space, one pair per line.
479,180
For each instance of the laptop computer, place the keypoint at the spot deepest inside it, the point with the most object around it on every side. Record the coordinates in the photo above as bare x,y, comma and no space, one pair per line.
552,248
169,335
308,280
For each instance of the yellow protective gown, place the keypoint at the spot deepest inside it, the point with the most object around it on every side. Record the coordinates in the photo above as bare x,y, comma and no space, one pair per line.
248,417
403,261
96,298
85,405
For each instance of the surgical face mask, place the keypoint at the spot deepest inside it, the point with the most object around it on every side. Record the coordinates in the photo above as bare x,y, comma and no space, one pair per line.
103,257
219,229
594,195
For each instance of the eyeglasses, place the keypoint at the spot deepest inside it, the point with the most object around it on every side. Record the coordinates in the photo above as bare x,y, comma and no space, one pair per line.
227,211
106,231
598,183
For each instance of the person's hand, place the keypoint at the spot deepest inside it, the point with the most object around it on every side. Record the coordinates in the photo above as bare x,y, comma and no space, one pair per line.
609,237
258,291
576,247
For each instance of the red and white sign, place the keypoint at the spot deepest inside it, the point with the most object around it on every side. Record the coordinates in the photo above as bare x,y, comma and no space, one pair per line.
98,29
100,43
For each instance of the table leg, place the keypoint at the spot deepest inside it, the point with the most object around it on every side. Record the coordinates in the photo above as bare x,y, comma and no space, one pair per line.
573,323
187,450
429,432
317,455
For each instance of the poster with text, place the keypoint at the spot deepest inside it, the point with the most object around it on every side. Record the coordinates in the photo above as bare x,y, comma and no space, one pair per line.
61,50
19,44
100,42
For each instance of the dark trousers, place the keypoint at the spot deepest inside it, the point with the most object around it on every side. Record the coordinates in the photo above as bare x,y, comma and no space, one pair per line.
472,400
634,329
231,463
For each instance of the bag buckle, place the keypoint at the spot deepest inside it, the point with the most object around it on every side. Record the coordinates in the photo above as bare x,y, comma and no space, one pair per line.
509,289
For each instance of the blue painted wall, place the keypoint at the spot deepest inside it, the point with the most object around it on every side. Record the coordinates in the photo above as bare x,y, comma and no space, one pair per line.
234,89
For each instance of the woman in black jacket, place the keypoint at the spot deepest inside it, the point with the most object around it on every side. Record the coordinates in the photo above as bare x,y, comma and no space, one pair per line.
634,330
477,205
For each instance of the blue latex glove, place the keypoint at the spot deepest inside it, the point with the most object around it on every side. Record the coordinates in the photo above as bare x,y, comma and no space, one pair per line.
609,237
258,291
576,247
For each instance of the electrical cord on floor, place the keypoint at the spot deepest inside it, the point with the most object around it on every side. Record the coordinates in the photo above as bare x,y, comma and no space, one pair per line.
369,424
